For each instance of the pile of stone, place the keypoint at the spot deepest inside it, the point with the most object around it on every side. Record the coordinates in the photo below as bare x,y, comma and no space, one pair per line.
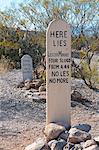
33,84
34,90
58,137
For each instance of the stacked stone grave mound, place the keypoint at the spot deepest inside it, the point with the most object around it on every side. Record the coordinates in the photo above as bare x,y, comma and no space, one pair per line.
34,89
58,137
32,84
38,88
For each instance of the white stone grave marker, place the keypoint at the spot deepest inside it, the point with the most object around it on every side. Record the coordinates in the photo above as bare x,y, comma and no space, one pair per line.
58,74
26,66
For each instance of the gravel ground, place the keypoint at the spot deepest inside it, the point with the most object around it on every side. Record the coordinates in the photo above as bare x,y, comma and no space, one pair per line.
22,120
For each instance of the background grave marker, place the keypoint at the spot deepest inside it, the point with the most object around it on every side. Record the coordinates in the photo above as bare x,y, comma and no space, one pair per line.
26,66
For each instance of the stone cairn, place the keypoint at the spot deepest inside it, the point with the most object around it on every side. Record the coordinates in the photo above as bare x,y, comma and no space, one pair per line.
57,137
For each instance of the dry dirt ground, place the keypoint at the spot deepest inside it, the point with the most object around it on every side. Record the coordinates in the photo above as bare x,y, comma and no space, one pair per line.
22,120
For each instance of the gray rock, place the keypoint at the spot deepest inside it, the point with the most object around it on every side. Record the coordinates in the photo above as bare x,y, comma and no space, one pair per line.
37,145
51,142
83,127
77,136
64,135
45,147
68,146
52,131
76,96
57,145
35,98
32,85
97,139
43,95
38,84
93,147
42,88
78,147
27,85
89,143
75,147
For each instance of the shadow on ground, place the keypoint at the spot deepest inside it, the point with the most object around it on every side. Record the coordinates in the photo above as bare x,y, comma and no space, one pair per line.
87,104
15,109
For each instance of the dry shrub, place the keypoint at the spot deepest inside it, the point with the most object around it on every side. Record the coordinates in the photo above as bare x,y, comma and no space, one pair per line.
6,64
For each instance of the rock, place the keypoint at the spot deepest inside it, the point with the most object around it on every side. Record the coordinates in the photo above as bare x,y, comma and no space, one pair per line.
97,139
42,88
83,127
51,142
27,80
52,131
43,95
45,147
76,96
27,86
43,99
32,85
68,146
37,145
43,84
36,93
39,97
77,136
78,147
64,135
57,145
38,84
20,85
89,143
93,147
73,147
36,98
